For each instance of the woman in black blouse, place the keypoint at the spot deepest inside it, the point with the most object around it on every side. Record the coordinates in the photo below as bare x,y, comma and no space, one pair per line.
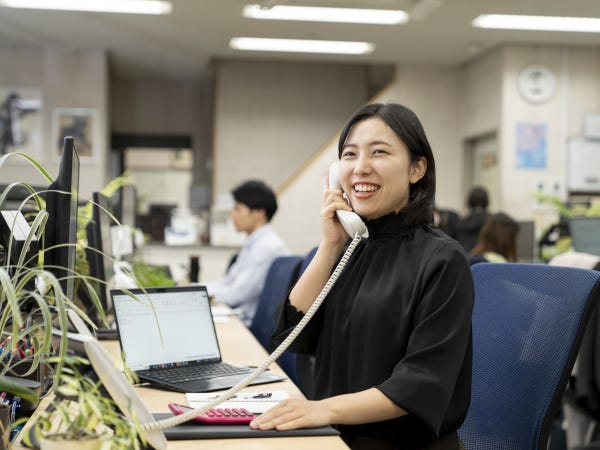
393,338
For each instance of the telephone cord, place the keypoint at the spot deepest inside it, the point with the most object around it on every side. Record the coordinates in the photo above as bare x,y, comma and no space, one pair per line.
176,420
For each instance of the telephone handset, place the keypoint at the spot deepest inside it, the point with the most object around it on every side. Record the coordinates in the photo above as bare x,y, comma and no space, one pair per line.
357,231
351,222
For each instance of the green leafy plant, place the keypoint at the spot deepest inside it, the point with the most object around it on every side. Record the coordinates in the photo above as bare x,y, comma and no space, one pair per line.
32,304
82,411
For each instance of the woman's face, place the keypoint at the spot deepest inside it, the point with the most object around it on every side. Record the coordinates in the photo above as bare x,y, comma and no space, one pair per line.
375,169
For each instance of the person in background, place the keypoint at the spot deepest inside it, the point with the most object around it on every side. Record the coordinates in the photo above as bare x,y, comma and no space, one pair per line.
497,240
254,207
469,227
446,220
392,341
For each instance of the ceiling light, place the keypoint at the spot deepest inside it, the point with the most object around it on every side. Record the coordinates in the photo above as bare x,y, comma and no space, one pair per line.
538,23
301,46
112,6
322,14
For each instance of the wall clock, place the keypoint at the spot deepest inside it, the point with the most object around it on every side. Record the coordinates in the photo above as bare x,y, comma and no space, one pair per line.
536,83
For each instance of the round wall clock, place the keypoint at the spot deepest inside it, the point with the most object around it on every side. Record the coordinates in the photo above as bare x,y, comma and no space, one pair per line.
536,83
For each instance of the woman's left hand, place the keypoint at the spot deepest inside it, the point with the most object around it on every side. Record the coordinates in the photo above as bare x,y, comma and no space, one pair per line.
292,414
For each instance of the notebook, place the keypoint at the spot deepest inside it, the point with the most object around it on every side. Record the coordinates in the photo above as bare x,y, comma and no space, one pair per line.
168,337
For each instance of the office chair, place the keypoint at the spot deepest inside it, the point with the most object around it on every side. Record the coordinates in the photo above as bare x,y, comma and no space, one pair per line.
280,277
305,364
581,401
528,323
582,396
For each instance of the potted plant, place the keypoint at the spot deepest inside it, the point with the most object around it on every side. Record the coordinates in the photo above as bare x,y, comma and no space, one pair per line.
32,304
82,416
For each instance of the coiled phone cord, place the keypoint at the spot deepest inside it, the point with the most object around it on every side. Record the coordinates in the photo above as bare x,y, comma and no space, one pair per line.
176,420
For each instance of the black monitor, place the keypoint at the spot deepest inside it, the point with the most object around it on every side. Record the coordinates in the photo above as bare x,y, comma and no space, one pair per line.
99,254
60,234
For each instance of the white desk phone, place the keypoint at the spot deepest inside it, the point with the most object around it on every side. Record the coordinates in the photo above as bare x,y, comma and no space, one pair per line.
127,398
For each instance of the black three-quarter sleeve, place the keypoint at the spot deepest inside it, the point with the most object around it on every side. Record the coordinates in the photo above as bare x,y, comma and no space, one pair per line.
286,318
432,379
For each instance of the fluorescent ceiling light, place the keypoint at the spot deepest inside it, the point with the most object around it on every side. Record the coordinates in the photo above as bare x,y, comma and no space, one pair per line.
538,23
322,14
112,6
301,46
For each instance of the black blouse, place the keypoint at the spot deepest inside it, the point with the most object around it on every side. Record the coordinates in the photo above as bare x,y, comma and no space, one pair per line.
398,319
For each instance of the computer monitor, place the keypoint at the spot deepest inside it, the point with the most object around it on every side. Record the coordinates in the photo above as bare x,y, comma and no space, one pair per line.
585,234
99,254
60,234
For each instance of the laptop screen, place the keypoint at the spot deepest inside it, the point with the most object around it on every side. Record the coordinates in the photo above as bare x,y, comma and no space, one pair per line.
165,327
585,233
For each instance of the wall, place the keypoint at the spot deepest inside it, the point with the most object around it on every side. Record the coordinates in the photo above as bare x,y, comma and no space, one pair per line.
577,71
157,107
271,117
66,78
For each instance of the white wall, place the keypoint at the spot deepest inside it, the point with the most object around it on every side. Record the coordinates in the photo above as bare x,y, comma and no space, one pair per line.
66,78
577,72
272,117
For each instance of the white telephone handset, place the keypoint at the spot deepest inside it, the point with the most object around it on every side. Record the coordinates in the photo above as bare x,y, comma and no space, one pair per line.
349,219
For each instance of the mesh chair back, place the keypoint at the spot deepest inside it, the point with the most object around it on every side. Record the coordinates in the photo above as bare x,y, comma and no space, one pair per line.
528,321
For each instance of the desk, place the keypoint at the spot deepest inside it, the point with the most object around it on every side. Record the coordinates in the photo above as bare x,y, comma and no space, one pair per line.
238,346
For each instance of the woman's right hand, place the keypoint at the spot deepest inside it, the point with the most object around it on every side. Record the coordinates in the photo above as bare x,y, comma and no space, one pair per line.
333,232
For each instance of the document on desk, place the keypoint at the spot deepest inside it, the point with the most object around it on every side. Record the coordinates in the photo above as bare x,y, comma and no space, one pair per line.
221,313
255,402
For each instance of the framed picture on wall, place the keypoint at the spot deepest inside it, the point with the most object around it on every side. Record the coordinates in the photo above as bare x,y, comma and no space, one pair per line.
82,125
20,121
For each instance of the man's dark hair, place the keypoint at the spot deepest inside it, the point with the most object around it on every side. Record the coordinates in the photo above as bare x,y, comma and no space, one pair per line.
256,195
478,198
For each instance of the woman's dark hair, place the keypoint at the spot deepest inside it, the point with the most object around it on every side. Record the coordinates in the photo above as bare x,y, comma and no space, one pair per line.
407,126
256,195
498,235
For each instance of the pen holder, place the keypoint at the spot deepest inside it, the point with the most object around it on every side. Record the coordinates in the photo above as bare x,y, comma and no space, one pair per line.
26,406
22,369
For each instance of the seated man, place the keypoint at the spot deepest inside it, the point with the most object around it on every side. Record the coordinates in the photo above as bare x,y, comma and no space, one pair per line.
255,205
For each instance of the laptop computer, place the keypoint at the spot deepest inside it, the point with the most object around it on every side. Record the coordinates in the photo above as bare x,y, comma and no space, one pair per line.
585,233
168,337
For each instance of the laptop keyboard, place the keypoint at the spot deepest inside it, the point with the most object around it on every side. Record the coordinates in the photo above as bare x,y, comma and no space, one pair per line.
196,372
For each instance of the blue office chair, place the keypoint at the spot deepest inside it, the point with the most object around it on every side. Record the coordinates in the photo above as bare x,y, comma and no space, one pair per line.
528,322
280,277
305,364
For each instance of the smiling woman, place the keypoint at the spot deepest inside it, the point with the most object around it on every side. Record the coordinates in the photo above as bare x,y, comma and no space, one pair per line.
406,382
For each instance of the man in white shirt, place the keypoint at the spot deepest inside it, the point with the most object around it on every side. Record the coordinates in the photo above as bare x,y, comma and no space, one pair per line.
240,288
